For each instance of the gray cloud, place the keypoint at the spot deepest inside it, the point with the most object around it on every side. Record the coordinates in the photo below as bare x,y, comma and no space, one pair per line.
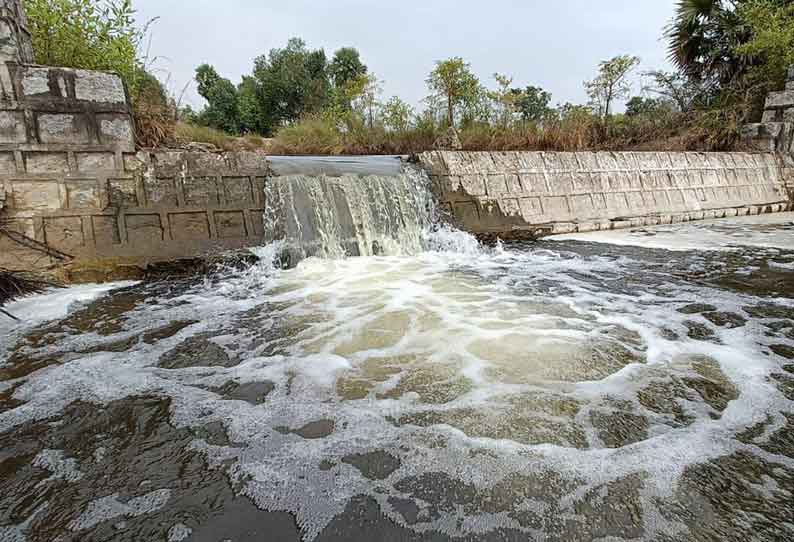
556,45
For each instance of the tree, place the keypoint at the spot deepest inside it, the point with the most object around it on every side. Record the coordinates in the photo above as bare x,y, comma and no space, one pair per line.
676,87
88,34
640,106
533,104
367,100
506,100
222,110
397,115
453,87
292,82
249,106
771,26
346,66
611,83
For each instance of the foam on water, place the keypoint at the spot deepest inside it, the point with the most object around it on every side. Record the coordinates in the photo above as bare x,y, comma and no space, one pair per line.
468,367
770,230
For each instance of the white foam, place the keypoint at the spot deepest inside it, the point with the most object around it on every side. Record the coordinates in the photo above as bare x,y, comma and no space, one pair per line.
722,234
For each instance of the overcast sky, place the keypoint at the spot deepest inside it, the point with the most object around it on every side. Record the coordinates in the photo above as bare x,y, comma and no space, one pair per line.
555,44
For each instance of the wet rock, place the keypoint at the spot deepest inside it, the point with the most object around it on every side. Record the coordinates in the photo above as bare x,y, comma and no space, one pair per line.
196,351
620,429
251,392
783,350
725,319
213,433
770,310
700,332
407,509
696,308
310,431
326,465
151,337
377,465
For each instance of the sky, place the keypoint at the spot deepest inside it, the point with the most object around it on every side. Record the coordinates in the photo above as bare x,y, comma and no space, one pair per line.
553,44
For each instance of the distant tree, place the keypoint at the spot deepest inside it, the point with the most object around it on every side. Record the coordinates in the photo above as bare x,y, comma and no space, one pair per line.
292,82
639,105
397,115
249,106
505,99
611,84
676,87
346,66
222,110
93,35
366,102
533,104
453,87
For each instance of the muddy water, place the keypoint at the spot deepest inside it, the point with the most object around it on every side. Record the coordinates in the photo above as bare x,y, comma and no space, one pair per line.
569,390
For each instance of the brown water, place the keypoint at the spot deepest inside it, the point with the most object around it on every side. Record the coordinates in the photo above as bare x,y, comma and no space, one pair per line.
567,390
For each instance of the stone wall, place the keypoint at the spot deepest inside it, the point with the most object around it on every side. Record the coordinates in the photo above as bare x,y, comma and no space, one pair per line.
529,194
103,210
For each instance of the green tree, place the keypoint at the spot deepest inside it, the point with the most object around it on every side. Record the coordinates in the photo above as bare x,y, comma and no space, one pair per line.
533,104
506,100
454,88
249,106
611,83
397,115
346,66
222,110
88,34
640,106
292,82
771,25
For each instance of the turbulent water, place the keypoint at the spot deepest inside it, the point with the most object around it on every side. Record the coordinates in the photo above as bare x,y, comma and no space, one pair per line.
566,390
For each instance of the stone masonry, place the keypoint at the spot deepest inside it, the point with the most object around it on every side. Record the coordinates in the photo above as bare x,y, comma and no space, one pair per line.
72,181
530,194
775,132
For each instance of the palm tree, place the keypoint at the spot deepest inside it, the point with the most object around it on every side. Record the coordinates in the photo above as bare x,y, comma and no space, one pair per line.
703,37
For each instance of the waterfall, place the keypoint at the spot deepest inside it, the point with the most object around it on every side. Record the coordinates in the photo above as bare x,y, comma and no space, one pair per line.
347,207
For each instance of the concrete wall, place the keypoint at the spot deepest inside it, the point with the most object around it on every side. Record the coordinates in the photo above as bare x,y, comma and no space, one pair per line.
528,194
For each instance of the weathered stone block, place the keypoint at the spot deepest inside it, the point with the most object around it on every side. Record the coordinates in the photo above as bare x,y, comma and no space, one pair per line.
237,190
46,162
257,223
200,191
531,208
101,87
35,195
82,194
64,233
495,185
114,128
63,128
556,206
780,100
534,183
230,224
35,81
143,228
466,213
189,226
8,163
95,161
12,127
160,191
122,193
106,231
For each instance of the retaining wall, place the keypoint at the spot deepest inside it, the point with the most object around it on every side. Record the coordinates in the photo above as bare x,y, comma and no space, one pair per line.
529,194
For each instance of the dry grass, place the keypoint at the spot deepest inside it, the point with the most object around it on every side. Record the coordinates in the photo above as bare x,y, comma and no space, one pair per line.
707,131
185,133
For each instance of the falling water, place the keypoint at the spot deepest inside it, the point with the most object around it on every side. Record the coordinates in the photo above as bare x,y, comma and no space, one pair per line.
334,210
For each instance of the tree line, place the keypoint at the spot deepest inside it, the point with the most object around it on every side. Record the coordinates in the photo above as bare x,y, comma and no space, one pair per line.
728,54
